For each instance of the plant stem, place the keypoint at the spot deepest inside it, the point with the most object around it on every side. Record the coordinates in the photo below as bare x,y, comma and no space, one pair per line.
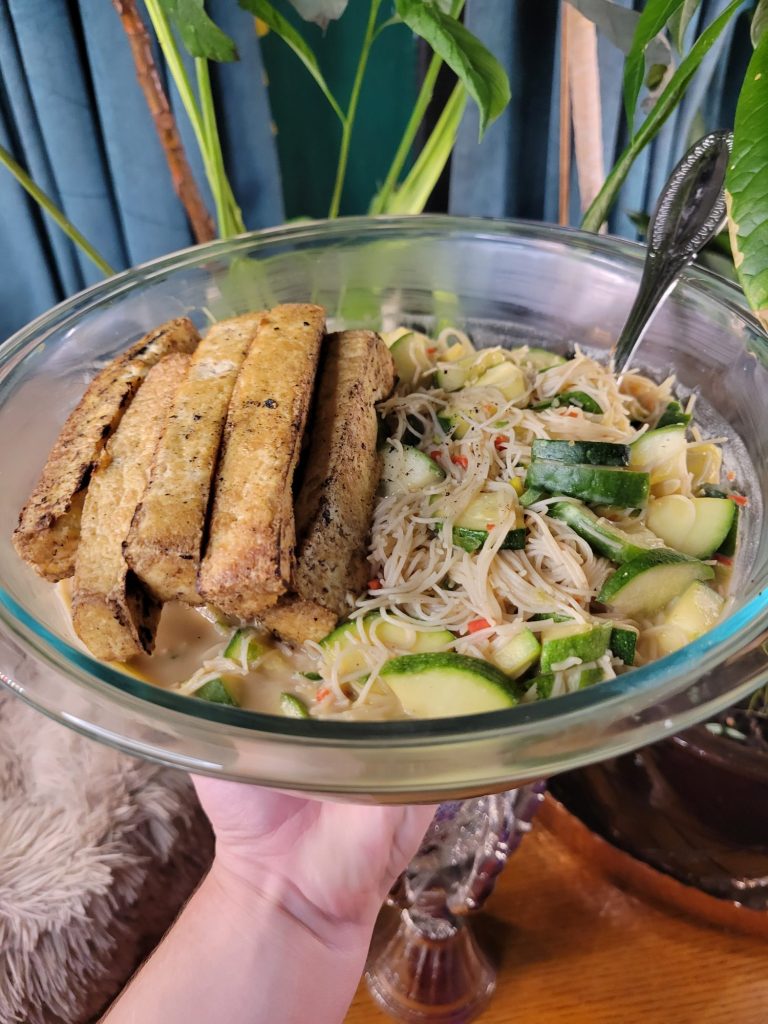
148,76
382,197
54,212
228,212
349,117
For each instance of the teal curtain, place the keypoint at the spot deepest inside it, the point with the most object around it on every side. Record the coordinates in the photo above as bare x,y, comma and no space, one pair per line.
72,113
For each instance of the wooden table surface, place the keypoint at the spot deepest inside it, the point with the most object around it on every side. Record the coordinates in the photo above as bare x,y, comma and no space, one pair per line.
575,947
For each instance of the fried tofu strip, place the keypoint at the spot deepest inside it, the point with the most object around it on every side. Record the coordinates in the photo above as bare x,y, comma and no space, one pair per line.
112,613
49,525
335,502
249,559
165,540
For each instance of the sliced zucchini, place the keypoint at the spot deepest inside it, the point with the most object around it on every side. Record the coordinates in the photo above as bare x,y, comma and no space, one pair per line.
531,495
348,658
216,691
447,684
590,676
728,547
554,616
292,706
417,641
578,399
696,610
472,526
517,656
451,376
623,644
591,453
540,359
654,449
542,683
598,485
408,469
245,642
649,582
409,354
573,640
473,540
694,526
506,378
601,535
704,462
673,415
313,677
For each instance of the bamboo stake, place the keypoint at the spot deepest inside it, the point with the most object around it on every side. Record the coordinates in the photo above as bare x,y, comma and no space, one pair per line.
584,77
147,73
564,185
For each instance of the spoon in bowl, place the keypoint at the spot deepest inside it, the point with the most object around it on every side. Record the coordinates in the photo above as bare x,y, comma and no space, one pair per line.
689,212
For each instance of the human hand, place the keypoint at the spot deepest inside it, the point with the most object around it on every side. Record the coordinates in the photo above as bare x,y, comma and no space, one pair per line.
328,864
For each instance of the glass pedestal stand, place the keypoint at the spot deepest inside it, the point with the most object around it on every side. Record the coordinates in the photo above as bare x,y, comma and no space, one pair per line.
432,968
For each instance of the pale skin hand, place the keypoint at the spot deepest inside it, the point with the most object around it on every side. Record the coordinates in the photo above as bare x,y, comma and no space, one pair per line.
278,931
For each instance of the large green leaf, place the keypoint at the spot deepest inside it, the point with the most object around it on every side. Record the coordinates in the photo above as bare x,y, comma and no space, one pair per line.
680,20
290,35
201,36
759,21
483,77
653,20
746,183
664,106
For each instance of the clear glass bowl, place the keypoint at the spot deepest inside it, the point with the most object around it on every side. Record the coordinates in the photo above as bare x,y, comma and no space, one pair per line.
502,281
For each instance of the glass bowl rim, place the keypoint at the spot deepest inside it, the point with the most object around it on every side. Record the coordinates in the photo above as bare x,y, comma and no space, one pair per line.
712,648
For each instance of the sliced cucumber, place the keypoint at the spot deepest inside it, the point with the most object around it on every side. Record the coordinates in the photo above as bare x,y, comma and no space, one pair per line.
292,706
673,415
578,399
407,470
447,684
649,582
601,535
590,676
694,526
696,610
573,640
591,453
506,378
540,358
216,691
623,644
245,642
598,485
517,656
656,447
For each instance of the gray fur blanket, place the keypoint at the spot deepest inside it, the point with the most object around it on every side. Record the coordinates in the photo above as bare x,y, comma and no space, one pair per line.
97,853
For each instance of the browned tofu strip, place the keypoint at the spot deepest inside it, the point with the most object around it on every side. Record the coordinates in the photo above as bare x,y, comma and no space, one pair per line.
335,502
165,539
249,558
49,525
113,614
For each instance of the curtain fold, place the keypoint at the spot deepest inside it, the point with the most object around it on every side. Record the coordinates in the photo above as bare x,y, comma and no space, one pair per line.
73,114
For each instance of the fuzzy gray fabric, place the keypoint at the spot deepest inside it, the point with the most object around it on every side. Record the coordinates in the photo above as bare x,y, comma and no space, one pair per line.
97,853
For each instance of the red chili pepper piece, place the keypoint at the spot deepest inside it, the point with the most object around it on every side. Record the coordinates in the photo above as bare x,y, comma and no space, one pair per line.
477,624
460,460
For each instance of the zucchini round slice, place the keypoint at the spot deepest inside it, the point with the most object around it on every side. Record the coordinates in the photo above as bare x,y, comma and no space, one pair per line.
447,684
649,582
407,470
601,535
